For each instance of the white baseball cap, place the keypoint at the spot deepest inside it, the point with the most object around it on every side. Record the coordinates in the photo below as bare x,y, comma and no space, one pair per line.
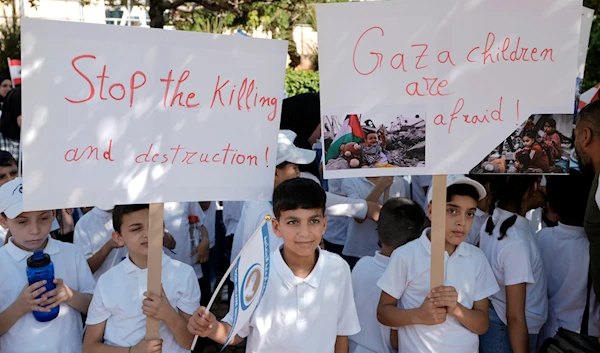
11,198
106,207
288,152
456,179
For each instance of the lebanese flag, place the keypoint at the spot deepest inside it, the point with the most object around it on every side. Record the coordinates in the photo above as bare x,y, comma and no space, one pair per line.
350,131
589,96
14,66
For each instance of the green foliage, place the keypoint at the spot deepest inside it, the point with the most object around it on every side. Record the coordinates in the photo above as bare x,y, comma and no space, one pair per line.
303,81
592,66
10,45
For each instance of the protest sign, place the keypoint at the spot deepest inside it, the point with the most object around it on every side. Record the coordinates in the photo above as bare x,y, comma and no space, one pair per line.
119,115
437,85
250,277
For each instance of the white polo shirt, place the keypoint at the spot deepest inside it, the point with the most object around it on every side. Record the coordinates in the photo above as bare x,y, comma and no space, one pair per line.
362,238
337,226
302,315
257,210
516,259
119,295
63,334
407,278
232,212
209,218
479,221
238,235
92,232
566,255
373,336
177,224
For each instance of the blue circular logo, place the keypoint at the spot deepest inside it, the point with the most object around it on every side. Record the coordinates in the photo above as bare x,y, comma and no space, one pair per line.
251,285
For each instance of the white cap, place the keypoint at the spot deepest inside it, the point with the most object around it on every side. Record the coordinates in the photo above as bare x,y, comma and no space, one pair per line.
288,152
456,179
11,198
106,207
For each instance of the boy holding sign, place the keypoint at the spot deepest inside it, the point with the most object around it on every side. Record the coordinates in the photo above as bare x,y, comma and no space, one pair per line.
308,305
117,315
447,318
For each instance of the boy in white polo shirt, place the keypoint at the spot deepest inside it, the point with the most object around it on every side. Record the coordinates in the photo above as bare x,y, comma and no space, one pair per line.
117,315
19,330
565,252
448,318
93,237
400,222
308,305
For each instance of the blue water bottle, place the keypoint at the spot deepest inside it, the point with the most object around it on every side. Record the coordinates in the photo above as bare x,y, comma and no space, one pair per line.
40,268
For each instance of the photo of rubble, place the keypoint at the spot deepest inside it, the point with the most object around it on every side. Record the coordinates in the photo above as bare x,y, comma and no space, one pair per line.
542,145
374,140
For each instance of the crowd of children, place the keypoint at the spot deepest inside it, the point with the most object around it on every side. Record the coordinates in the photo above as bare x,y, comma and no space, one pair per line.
350,267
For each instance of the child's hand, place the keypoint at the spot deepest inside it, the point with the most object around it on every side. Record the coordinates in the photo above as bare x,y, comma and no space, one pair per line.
385,182
202,323
430,314
445,297
27,301
61,294
203,251
156,307
169,241
148,346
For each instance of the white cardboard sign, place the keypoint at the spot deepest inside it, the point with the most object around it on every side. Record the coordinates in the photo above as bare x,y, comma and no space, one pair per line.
448,80
120,115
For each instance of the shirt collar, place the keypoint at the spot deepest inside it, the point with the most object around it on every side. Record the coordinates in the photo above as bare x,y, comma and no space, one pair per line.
19,254
131,267
461,249
381,260
290,280
501,215
571,230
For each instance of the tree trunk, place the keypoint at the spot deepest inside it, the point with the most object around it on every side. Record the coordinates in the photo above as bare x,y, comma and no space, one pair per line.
156,12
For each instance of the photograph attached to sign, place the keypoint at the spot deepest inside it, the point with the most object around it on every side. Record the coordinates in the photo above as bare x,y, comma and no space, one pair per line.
381,138
541,145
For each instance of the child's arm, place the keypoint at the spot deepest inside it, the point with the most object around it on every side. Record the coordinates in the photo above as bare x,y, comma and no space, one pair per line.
160,309
204,324
341,344
24,304
394,339
515,317
96,261
477,320
389,314
94,338
383,136
63,294
203,248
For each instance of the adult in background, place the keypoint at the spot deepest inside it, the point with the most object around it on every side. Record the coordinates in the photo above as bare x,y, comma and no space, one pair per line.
10,123
587,147
5,87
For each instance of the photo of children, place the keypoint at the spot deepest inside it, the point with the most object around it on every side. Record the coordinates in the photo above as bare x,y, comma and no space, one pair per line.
376,139
540,146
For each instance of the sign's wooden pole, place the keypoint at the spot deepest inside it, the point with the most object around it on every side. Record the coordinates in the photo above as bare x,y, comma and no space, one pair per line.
155,243
438,228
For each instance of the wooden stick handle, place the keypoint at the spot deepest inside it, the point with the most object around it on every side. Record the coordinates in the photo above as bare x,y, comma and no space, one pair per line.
438,230
155,243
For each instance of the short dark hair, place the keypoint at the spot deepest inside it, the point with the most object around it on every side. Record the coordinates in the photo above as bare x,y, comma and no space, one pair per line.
401,220
7,159
298,193
589,117
531,134
121,210
551,122
568,196
461,190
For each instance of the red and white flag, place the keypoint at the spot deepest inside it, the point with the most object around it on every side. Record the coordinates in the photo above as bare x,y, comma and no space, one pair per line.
14,66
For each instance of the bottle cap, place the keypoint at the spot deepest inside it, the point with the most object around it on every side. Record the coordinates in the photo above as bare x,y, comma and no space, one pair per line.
193,219
38,259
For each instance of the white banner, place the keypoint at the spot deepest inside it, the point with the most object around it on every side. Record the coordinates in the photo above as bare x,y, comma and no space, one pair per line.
436,85
121,115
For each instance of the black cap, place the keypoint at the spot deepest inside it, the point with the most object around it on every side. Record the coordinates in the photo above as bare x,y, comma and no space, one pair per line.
38,260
